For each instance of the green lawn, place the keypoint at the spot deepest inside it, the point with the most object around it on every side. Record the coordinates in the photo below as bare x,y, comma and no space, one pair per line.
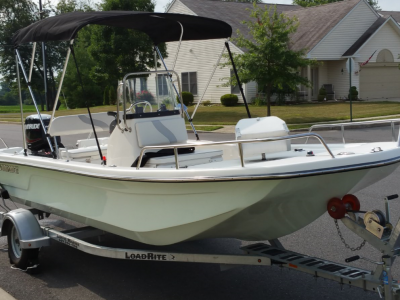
296,114
205,127
220,115
16,109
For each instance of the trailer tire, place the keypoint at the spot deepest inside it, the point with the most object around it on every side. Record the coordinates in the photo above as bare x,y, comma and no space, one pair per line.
21,258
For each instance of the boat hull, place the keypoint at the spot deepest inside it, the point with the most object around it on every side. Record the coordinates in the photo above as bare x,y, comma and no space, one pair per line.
162,213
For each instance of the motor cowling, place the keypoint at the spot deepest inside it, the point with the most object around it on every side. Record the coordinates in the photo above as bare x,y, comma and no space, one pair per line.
34,133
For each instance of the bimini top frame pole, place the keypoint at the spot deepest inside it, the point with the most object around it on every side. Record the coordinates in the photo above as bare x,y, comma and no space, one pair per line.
32,60
179,93
208,83
237,78
61,82
34,102
179,46
172,82
21,107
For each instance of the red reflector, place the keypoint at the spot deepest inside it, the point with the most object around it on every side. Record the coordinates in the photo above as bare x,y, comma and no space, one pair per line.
293,266
259,260
29,245
104,158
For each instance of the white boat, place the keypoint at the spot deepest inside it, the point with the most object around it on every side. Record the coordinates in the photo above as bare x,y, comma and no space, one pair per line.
257,187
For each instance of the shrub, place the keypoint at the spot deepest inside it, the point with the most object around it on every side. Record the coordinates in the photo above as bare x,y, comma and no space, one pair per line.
322,94
187,98
145,95
354,93
167,102
259,101
112,95
28,101
106,99
229,100
206,103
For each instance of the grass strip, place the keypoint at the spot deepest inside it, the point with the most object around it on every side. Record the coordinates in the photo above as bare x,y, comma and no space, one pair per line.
220,115
204,128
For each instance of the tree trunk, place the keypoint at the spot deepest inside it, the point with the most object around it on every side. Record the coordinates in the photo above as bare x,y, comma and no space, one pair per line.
269,88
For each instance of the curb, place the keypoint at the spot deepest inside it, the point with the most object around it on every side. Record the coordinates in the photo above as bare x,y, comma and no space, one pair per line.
5,296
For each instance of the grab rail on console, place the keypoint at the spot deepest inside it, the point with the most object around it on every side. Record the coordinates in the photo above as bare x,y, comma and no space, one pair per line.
238,142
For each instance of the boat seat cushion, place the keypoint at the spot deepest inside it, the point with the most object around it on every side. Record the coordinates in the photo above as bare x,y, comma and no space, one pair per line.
161,132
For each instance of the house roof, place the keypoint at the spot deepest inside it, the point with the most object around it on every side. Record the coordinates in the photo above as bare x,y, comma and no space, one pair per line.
233,13
314,22
365,37
317,21
394,14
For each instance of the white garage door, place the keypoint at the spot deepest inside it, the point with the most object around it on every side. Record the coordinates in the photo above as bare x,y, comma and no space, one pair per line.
380,82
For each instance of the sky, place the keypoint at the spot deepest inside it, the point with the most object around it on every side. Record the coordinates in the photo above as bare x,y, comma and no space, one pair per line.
384,4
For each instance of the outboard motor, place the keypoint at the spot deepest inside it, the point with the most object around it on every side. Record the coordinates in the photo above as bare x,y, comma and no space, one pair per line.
35,137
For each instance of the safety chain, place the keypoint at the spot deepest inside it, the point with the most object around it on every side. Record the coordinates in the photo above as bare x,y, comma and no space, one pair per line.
344,242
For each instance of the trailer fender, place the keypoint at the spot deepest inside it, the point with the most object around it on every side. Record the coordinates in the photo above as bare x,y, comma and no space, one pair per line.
29,231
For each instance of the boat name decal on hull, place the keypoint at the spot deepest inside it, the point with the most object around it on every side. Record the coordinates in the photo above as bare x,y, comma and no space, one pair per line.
67,242
9,168
149,256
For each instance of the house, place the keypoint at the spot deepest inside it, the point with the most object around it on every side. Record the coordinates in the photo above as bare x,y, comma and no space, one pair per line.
334,34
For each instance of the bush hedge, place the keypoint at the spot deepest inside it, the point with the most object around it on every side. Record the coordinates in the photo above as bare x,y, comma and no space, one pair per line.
354,93
322,94
187,98
229,100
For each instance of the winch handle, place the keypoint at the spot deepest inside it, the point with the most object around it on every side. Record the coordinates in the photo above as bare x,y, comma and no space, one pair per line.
391,197
353,258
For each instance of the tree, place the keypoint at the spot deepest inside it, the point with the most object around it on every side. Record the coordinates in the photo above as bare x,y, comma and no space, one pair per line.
308,3
118,51
268,59
14,16
92,92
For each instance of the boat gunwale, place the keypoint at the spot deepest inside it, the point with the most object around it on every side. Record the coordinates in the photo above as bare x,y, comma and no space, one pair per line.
272,176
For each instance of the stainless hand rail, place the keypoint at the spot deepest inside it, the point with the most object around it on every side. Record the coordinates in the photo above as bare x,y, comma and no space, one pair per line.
238,142
342,125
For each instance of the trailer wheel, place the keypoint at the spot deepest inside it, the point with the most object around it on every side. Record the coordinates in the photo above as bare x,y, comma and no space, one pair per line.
21,258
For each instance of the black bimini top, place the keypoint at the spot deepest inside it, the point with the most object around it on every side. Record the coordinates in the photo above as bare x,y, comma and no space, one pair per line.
161,27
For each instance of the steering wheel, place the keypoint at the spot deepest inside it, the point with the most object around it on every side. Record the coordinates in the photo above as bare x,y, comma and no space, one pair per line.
146,104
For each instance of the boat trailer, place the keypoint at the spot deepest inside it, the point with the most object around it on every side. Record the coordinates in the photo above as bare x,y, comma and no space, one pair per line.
26,236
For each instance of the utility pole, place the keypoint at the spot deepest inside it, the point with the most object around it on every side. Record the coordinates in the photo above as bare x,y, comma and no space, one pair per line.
48,108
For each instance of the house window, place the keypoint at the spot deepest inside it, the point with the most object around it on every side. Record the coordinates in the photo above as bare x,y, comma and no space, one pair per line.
143,84
189,82
162,85
385,56
234,88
